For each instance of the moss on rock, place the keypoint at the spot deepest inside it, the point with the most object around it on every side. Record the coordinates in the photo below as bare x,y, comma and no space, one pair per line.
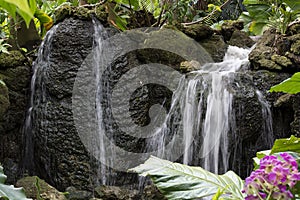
240,39
4,99
16,78
198,31
281,60
81,12
35,187
269,64
295,48
15,58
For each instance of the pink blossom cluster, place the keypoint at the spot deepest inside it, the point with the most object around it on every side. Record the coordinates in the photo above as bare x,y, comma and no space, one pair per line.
274,178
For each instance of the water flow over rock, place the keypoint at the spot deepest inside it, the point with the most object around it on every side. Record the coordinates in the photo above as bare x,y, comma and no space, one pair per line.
36,97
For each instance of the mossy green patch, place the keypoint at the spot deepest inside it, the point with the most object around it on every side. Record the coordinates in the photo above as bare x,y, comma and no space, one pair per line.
15,58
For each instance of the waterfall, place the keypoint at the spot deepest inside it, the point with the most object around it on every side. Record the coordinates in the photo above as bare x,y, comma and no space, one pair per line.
200,115
37,95
214,80
204,104
102,85
267,135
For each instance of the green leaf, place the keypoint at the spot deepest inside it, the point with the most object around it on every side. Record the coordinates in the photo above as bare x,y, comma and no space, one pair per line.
177,181
21,7
259,11
286,144
290,85
218,194
293,4
260,155
9,191
258,28
10,8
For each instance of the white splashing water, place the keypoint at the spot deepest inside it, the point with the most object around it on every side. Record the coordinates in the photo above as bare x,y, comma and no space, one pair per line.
204,92
216,78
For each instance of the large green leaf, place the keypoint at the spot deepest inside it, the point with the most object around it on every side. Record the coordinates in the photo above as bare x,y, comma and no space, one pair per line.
291,85
177,181
21,7
286,144
10,8
9,191
259,11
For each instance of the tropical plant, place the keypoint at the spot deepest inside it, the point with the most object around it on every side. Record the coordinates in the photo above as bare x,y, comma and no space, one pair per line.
290,85
177,181
25,9
263,14
9,192
4,46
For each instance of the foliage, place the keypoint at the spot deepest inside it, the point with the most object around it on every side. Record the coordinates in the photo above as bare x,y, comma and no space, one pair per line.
272,13
10,192
25,9
291,85
279,167
177,181
4,46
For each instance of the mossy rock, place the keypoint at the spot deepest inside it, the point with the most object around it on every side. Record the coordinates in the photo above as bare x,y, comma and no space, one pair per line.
35,187
269,64
13,59
295,48
81,12
281,60
215,46
228,28
198,31
240,39
16,78
4,99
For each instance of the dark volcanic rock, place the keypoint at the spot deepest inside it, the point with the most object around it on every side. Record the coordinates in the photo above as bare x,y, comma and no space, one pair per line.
59,156
277,52
15,73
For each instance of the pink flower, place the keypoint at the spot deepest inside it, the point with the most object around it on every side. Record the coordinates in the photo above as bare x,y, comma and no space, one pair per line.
275,177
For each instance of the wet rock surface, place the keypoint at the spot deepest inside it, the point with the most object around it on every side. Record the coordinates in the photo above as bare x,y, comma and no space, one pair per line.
59,155
15,76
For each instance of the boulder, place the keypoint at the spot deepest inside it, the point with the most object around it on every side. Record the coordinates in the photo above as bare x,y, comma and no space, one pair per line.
198,31
37,188
15,72
215,46
277,52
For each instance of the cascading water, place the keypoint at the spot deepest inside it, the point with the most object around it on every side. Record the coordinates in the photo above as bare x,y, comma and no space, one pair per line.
36,97
205,92
201,111
267,135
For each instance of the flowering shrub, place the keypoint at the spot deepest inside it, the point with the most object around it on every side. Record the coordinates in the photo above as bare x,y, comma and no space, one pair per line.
274,179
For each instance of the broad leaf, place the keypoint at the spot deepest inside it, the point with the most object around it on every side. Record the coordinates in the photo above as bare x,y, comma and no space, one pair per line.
286,144
258,27
10,8
21,7
177,181
291,85
9,191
